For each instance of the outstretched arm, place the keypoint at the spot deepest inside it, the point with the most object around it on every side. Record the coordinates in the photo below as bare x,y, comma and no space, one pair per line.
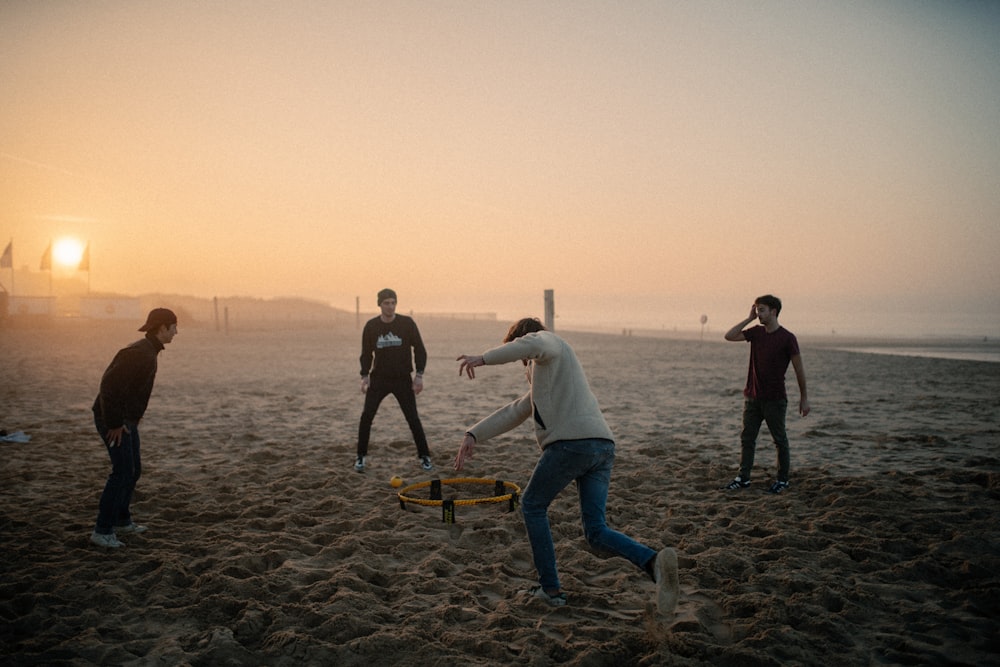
465,451
470,361
736,333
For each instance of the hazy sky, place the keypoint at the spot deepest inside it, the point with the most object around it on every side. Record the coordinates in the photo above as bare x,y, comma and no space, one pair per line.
649,161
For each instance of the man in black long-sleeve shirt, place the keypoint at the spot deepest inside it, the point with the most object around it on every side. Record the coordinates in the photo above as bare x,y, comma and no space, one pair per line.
125,390
390,348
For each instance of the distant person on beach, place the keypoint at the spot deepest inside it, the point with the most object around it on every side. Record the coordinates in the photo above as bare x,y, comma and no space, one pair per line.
577,446
121,402
390,348
772,347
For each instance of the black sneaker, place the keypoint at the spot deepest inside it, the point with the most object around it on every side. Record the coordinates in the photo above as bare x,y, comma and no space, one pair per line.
778,487
736,484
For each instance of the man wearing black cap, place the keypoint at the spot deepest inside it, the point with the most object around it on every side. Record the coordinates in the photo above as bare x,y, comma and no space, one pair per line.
125,389
390,347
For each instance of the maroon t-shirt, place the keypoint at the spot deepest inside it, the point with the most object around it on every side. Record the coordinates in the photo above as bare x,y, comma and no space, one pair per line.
770,354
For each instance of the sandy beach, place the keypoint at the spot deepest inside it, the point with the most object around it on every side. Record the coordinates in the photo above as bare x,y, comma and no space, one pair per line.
265,547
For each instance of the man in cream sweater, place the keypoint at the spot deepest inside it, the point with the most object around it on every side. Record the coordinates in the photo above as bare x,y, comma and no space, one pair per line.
577,445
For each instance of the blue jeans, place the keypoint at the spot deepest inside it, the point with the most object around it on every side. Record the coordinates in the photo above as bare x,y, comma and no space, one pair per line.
588,463
756,412
126,467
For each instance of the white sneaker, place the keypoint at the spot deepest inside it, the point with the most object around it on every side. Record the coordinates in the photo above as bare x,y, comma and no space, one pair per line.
360,464
557,600
102,540
425,463
668,590
131,528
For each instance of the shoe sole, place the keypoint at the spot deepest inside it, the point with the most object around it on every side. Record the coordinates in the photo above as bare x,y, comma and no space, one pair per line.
105,545
668,590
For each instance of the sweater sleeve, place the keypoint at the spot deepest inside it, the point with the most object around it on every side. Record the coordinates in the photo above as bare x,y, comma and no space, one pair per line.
535,346
505,419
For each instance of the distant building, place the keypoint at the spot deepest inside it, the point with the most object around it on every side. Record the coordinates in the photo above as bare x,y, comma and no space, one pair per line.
31,305
111,308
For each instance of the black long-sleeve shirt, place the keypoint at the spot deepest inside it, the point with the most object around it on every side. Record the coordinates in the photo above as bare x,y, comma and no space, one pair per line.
127,383
386,348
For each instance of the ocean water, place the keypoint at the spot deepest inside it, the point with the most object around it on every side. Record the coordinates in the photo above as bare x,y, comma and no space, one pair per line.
958,353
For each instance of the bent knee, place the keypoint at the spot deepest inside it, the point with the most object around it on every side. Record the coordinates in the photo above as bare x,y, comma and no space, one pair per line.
529,507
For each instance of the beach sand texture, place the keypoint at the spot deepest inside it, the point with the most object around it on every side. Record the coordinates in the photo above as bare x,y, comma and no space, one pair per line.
265,547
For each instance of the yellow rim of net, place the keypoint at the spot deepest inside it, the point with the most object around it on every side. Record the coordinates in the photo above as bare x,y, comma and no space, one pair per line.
514,488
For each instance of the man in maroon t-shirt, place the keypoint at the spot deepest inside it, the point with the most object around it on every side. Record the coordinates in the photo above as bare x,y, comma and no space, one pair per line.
772,347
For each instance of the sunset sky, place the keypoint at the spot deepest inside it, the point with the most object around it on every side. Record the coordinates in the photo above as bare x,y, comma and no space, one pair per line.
649,161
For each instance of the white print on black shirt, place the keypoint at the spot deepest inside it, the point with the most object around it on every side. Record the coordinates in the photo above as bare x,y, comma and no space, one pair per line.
388,340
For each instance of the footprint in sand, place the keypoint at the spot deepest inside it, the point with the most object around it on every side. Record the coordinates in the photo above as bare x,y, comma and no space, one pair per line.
697,612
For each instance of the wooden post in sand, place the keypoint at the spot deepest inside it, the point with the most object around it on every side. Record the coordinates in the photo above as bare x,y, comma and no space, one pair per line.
550,310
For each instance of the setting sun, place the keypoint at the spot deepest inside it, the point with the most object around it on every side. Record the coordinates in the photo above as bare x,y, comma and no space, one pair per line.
699,158
67,252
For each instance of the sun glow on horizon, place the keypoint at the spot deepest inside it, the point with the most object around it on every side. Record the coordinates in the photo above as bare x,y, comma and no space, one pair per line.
650,162
67,252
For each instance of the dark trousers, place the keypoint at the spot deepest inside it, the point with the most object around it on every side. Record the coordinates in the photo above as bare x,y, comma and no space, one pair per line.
126,468
756,412
402,389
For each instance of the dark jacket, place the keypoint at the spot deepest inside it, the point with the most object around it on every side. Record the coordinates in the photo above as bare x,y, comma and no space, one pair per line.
127,383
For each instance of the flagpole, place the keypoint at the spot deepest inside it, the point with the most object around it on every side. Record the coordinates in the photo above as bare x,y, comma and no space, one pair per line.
47,264
10,258
85,265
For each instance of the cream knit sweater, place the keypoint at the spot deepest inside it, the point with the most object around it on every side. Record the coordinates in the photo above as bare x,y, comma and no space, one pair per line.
564,406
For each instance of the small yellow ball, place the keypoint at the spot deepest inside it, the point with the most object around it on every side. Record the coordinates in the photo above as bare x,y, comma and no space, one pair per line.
396,481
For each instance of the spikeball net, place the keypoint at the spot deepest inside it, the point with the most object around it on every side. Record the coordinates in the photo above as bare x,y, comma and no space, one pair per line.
461,491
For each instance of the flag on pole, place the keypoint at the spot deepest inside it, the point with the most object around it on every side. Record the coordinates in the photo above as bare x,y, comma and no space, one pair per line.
47,258
7,259
85,259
